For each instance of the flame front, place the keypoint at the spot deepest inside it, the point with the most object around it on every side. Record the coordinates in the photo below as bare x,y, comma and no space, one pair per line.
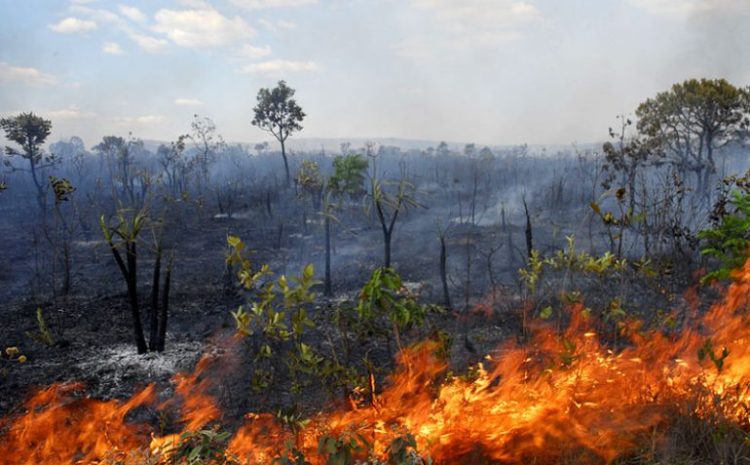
556,395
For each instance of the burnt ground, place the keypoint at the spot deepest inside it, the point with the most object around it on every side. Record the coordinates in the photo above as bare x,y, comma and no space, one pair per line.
92,326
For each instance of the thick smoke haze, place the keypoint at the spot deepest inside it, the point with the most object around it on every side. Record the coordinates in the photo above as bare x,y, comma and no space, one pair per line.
485,71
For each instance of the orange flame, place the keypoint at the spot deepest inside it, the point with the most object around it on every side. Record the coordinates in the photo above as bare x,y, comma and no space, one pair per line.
555,394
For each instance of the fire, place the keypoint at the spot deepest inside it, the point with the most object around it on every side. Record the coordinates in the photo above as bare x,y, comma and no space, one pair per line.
558,394
62,429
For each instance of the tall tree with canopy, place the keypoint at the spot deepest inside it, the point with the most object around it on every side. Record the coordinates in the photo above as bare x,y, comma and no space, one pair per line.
278,113
30,131
693,120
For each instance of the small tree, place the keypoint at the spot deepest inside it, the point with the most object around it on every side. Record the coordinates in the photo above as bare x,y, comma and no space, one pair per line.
278,113
172,160
347,180
63,189
328,213
388,207
125,234
310,182
276,318
348,176
30,131
208,143
119,154
728,238
385,296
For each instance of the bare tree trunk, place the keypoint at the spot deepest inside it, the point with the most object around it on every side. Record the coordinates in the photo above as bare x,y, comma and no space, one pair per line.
444,273
39,190
699,182
66,266
164,311
328,292
467,285
140,340
529,236
387,248
153,316
268,204
286,164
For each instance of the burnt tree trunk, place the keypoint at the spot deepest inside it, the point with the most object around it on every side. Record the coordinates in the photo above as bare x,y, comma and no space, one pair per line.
444,273
132,279
328,291
164,311
529,235
387,248
153,316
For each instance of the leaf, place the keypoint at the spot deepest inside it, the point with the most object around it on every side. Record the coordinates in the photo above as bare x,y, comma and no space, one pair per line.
234,241
309,271
545,313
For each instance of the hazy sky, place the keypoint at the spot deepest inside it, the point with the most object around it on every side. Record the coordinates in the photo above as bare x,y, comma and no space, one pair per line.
485,71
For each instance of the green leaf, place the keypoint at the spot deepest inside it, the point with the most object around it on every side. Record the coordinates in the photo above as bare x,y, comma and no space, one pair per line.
545,313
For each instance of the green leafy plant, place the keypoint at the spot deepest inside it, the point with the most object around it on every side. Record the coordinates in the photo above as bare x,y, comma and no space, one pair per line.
531,275
277,317
707,351
571,261
61,188
348,176
342,449
204,447
384,296
729,239
291,456
309,180
403,451
564,271
42,334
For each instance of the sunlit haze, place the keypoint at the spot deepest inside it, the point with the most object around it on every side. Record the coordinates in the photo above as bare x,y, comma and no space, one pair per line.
485,71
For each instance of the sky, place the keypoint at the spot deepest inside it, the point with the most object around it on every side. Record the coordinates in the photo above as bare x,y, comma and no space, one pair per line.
497,72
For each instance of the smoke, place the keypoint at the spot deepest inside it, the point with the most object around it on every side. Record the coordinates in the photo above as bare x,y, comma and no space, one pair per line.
719,41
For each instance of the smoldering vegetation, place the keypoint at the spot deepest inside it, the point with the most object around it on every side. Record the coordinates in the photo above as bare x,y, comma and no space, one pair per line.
313,276
475,198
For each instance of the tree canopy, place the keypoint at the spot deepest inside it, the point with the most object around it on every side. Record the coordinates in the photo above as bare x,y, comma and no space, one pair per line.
348,176
692,120
278,113
29,131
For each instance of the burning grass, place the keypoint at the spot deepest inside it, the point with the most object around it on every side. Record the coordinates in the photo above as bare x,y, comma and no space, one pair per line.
560,398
